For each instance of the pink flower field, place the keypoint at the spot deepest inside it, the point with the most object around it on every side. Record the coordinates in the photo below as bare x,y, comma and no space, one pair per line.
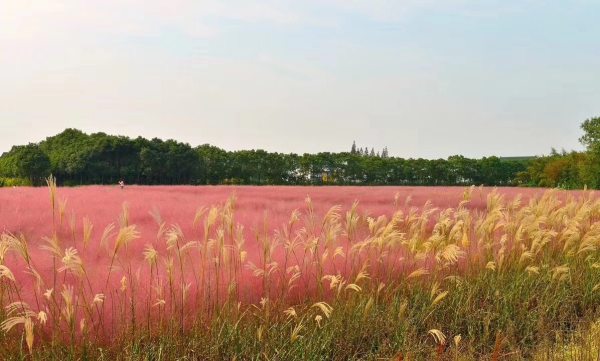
28,211
261,211
100,262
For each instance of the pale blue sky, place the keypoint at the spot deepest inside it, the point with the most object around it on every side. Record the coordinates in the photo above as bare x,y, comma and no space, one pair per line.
425,78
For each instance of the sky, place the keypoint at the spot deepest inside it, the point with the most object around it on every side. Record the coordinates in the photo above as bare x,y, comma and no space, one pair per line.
425,78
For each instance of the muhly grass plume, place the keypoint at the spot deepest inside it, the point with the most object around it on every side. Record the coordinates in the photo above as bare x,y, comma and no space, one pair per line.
297,288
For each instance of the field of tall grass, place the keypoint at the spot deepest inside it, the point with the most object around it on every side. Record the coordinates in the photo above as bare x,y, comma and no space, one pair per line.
495,276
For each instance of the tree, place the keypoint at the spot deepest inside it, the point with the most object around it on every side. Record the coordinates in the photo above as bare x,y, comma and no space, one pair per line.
68,152
215,163
372,152
463,171
384,153
591,139
28,161
353,149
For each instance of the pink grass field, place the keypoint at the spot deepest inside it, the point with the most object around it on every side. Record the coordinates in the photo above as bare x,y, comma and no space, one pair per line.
28,212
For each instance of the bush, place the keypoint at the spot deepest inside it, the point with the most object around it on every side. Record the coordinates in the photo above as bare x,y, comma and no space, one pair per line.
14,182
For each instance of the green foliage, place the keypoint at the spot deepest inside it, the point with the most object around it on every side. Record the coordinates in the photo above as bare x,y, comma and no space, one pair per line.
558,170
591,137
568,170
14,182
25,161
77,158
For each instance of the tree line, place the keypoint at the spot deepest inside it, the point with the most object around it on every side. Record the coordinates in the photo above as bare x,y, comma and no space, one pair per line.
77,158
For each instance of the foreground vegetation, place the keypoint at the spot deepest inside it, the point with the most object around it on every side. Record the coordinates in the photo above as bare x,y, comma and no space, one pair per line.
515,281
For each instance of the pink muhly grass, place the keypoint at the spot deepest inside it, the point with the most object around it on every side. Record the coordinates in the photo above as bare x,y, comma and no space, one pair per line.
165,255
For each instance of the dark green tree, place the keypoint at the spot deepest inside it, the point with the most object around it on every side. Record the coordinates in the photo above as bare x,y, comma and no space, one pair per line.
591,139
27,161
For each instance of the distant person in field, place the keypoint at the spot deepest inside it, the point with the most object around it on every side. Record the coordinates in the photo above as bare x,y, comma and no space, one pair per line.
122,184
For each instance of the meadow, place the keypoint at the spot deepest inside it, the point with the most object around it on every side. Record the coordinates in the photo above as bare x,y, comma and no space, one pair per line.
299,273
